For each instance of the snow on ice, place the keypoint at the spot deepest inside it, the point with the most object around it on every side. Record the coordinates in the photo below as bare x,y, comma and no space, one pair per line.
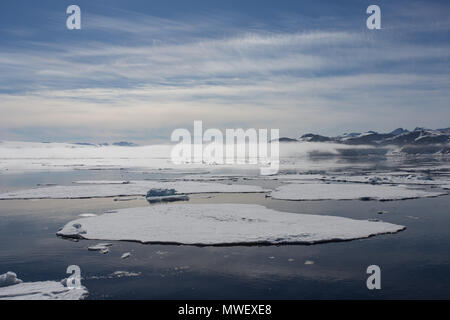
221,224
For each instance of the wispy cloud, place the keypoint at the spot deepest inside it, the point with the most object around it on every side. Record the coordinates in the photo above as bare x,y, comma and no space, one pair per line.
156,74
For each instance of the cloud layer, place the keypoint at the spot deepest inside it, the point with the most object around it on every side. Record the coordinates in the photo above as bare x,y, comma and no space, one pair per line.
138,77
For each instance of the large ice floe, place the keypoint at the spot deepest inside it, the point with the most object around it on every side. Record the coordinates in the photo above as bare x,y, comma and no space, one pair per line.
221,224
377,178
349,191
12,288
133,188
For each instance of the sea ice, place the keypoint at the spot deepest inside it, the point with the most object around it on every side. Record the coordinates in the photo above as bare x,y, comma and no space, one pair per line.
8,279
102,247
86,215
134,188
12,288
348,191
101,182
221,224
125,255
374,178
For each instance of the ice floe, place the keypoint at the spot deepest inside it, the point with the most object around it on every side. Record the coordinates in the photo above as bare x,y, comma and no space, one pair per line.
349,191
134,188
86,215
221,224
101,182
12,288
125,255
8,279
381,178
165,195
102,247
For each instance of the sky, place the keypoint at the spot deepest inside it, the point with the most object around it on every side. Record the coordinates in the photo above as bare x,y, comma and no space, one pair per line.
139,69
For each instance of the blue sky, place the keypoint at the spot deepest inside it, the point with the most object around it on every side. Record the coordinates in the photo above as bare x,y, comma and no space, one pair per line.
139,69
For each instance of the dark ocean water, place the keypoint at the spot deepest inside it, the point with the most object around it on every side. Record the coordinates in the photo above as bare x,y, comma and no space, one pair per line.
415,263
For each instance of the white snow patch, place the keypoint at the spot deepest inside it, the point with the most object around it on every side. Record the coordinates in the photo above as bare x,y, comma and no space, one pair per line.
221,224
134,188
347,191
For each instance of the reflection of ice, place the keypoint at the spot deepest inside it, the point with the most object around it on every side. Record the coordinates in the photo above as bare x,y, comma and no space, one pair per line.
220,224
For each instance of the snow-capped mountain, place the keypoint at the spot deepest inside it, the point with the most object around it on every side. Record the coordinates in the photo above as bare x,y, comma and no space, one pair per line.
419,140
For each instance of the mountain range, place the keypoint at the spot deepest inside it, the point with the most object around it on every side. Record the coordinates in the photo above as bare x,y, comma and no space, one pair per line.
419,140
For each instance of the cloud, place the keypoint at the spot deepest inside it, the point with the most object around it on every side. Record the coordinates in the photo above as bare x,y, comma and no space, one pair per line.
159,74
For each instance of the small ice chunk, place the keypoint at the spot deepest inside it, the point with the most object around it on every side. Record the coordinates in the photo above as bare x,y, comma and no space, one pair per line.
8,279
309,262
160,192
102,247
125,255
173,198
348,191
121,274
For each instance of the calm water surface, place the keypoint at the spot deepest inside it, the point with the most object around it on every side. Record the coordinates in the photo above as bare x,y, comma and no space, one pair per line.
415,263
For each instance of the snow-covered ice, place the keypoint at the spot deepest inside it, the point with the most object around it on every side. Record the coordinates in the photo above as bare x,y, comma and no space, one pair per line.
12,288
348,191
102,247
134,188
101,182
221,224
8,279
